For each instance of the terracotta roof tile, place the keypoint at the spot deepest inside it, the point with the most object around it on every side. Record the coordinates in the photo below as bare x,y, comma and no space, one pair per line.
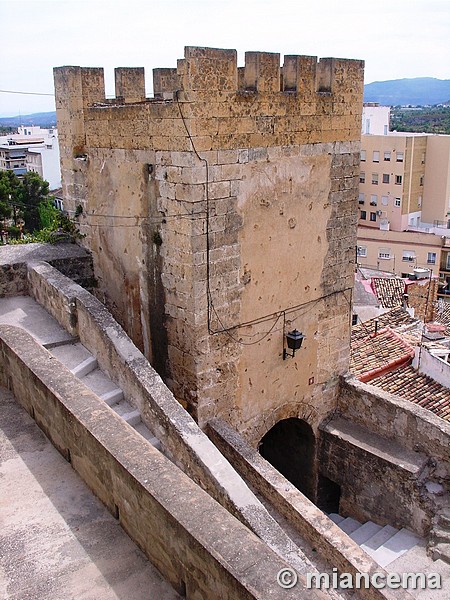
408,384
394,319
389,291
374,354
384,360
442,314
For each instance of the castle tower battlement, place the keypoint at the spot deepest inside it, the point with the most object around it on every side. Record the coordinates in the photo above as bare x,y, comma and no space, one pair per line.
219,211
215,71
223,106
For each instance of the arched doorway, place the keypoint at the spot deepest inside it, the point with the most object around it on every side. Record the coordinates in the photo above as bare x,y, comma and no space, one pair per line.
290,447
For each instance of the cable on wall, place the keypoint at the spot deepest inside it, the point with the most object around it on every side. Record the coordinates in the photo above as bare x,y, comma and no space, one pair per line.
210,303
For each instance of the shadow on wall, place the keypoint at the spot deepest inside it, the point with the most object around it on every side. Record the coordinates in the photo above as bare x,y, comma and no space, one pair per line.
290,447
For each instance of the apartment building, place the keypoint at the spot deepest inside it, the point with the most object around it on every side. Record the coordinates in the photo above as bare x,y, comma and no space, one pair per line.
392,180
399,252
404,199
32,149
404,177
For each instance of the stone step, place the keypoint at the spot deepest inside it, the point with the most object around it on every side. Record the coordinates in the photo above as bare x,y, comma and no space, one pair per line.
99,383
349,525
132,418
441,552
444,518
113,397
85,367
377,540
365,532
395,547
127,412
440,535
147,434
336,518
71,355
24,312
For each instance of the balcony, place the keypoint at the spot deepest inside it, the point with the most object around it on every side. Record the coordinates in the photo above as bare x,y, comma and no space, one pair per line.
19,171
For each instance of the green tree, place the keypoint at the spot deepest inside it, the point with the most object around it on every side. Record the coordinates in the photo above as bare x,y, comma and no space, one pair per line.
33,191
9,192
48,214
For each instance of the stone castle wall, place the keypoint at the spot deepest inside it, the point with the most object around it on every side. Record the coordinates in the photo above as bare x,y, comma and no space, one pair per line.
221,214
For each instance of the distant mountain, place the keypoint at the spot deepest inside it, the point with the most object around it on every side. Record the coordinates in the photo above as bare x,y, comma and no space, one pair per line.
418,92
45,119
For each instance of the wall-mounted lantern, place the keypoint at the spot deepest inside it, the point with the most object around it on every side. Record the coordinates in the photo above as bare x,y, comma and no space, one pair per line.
294,341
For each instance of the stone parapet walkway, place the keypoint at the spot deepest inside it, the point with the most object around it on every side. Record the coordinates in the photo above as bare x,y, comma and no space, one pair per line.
57,540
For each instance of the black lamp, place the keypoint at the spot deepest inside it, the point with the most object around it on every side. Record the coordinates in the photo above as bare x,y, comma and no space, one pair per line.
294,341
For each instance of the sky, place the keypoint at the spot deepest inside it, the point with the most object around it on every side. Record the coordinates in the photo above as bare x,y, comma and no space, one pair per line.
395,38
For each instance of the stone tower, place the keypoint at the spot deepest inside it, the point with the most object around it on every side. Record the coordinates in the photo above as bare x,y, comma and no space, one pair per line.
222,214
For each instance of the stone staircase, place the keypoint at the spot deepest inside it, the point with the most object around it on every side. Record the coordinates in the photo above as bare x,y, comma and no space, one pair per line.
84,365
384,544
440,536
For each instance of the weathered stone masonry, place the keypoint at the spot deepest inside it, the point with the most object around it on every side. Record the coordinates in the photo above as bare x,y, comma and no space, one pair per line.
220,212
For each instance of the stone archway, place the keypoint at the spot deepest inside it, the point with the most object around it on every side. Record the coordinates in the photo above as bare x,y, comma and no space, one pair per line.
290,447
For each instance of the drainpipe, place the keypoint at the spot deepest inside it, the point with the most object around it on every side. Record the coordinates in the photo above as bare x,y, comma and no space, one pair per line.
410,173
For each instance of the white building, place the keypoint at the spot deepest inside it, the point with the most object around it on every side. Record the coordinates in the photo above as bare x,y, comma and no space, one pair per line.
375,119
32,149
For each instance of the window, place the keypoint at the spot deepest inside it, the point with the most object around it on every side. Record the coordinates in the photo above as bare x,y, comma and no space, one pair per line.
399,157
361,251
384,253
419,201
409,255
423,158
354,319
373,216
387,155
362,177
363,215
385,129
361,198
447,264
431,258
373,199
398,202
374,178
363,156
421,180
376,156
384,200
385,177
398,180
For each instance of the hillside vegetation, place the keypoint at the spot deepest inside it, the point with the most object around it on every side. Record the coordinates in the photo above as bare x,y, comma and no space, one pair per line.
435,119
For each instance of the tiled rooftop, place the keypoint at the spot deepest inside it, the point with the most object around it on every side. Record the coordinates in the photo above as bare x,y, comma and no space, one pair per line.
375,354
389,291
394,319
410,385
383,360
442,315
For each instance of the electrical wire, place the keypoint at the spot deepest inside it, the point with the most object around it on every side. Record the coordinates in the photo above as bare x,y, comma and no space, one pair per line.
25,93
210,303
211,307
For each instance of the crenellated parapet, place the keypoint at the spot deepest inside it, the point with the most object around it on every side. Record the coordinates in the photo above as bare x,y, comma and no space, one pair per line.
223,105
215,71
130,84
229,196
